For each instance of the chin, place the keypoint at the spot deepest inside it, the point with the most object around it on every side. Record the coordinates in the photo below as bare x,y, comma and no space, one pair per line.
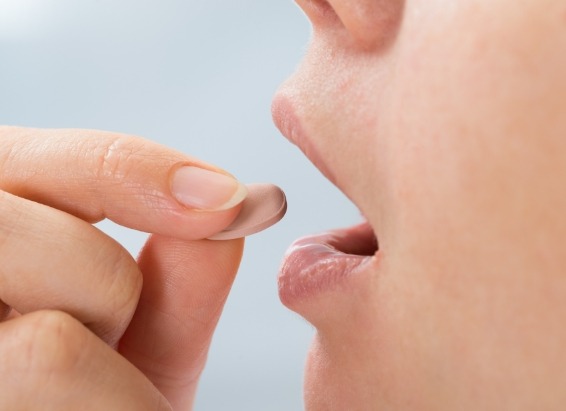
334,381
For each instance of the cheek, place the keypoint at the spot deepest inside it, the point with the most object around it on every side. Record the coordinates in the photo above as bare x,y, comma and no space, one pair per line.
474,243
474,125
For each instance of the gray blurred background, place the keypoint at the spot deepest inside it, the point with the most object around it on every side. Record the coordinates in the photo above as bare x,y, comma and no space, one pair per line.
196,75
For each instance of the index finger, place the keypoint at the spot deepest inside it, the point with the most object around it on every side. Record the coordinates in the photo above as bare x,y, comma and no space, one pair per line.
132,181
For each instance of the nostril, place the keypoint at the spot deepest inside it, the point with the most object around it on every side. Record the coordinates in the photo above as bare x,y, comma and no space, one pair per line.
371,23
319,12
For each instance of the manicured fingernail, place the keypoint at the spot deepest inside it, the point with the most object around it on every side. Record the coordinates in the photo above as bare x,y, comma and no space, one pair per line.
202,189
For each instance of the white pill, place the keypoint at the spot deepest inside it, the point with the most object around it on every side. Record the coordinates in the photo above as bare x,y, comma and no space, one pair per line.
264,206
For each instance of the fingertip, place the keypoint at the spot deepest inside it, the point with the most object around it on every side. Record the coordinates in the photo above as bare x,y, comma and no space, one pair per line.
186,284
213,257
205,189
232,250
132,181
191,225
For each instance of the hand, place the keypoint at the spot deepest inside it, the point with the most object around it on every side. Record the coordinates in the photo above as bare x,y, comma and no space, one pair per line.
78,330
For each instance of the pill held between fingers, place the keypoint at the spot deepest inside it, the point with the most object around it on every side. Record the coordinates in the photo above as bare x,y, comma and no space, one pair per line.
264,206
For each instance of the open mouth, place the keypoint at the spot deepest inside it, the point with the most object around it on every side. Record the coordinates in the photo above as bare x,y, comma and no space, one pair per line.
359,240
323,262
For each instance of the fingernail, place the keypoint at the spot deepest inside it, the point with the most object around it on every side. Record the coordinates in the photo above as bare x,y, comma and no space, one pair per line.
202,189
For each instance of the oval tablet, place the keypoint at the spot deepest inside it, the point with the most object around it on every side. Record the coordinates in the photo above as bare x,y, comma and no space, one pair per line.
264,206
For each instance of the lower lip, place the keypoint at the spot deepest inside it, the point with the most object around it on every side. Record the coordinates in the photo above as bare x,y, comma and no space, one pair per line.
320,263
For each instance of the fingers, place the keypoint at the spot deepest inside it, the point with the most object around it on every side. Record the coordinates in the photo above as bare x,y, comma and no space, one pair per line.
54,183
5,310
52,260
134,182
186,284
51,362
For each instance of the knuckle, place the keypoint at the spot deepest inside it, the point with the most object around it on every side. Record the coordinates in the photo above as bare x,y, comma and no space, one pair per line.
123,280
15,226
50,343
113,156
9,208
45,354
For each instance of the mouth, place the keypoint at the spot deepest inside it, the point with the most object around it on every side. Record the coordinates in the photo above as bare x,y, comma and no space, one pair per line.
328,262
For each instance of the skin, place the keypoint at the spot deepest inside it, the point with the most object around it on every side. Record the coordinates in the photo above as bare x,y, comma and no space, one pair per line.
444,122
82,324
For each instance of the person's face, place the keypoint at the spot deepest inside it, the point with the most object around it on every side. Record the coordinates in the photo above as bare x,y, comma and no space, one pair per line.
444,121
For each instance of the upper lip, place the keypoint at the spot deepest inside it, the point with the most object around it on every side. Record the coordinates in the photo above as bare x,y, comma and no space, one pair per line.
288,121
289,124
316,262
284,118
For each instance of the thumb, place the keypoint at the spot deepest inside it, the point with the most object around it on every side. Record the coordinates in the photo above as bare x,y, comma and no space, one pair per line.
186,284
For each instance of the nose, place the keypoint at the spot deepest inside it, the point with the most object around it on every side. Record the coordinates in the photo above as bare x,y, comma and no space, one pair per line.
371,23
